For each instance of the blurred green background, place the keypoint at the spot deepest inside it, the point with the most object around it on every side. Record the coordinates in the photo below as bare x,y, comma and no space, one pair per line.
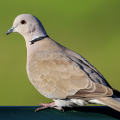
89,27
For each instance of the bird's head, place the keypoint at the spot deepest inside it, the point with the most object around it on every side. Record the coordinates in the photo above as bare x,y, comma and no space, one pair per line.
28,26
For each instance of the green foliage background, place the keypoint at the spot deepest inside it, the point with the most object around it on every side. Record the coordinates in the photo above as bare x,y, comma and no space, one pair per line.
89,27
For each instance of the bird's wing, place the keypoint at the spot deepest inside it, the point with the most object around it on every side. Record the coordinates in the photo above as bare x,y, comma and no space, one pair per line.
57,76
112,101
95,75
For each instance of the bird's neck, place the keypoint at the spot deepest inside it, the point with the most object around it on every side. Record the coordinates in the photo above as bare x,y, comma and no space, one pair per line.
31,48
46,45
38,32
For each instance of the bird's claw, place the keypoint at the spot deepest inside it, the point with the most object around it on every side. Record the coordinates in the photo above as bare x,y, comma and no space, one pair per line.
45,106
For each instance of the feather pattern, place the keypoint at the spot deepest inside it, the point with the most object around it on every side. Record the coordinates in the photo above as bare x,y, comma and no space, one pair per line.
59,76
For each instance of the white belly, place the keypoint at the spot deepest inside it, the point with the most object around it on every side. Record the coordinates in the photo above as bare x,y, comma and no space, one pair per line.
75,102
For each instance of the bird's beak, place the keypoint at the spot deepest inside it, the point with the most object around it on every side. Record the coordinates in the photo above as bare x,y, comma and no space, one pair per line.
10,31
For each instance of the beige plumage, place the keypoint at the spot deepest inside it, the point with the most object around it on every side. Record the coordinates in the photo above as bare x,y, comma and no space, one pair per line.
59,73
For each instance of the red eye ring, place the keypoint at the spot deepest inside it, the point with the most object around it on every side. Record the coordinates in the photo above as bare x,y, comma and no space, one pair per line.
23,22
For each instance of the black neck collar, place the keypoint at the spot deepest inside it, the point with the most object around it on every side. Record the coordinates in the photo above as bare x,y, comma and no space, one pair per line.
38,39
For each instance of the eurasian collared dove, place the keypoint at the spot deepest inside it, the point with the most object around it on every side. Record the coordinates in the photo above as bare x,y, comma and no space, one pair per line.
59,73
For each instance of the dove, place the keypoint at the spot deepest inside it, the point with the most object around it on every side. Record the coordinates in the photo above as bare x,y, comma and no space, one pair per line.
59,73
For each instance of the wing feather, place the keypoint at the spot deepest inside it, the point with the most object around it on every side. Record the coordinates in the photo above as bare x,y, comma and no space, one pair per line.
57,76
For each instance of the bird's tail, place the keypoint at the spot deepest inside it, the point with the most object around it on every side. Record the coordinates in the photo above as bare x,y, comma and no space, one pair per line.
113,102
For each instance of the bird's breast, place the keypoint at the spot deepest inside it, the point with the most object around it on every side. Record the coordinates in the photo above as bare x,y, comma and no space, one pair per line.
43,74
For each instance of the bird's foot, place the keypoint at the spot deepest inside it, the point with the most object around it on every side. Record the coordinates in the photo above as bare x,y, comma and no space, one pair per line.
50,105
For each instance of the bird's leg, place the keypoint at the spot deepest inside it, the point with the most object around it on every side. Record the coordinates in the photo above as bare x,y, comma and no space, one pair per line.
50,105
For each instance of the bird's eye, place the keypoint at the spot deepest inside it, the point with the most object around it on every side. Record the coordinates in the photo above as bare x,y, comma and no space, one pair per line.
23,22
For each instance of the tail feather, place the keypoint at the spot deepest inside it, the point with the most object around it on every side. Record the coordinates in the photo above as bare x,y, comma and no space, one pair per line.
116,94
111,102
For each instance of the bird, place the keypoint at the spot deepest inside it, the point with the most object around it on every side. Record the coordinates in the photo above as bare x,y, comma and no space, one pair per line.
59,73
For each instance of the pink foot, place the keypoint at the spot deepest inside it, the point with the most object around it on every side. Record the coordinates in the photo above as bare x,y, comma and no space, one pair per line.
50,105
